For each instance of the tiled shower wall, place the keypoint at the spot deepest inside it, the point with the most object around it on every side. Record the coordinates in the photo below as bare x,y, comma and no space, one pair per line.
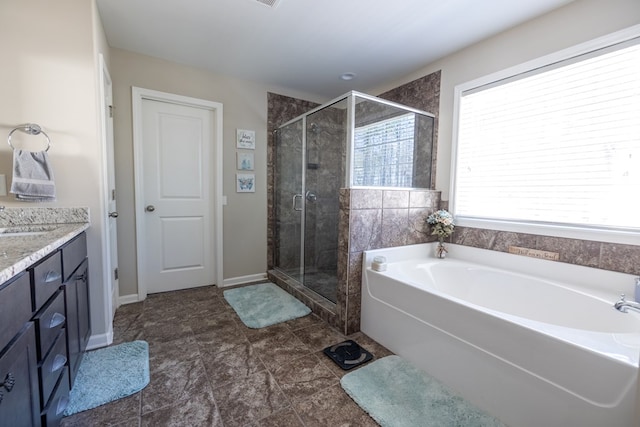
374,219
280,109
389,218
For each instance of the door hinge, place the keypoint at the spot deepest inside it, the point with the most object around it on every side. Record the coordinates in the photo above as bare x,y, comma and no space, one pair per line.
115,274
111,111
113,194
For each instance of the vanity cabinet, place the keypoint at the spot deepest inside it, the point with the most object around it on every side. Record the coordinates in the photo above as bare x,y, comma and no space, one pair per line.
76,290
44,330
19,392
50,322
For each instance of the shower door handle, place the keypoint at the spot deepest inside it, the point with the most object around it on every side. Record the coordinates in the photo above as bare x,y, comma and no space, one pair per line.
296,197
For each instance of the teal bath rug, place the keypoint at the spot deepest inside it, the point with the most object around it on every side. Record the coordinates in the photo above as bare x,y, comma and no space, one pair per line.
108,374
397,394
259,306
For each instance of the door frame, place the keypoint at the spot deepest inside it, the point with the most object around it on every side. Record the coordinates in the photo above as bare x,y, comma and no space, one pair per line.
137,96
112,290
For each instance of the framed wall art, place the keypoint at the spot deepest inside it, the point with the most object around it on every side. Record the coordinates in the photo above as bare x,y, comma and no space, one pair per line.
245,161
246,139
245,183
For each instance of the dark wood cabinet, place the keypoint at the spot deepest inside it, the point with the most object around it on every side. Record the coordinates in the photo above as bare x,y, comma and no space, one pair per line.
20,403
46,325
76,290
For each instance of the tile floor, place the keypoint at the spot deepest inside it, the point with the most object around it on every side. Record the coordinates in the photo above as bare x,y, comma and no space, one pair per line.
208,369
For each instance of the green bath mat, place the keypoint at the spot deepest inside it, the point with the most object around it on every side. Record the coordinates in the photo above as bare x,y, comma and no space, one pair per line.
108,374
397,394
259,306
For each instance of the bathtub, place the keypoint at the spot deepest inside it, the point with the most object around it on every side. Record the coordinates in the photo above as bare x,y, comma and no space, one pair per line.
533,342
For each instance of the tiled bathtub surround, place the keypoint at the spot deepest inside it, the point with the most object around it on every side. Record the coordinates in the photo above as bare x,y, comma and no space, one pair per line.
374,219
607,256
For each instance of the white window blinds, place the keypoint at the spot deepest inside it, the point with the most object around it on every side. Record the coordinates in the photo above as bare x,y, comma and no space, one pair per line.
559,145
383,153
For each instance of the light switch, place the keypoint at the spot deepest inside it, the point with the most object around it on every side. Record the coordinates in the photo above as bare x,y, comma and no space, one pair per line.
3,185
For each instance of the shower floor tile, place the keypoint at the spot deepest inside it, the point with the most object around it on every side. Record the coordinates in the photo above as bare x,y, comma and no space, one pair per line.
210,369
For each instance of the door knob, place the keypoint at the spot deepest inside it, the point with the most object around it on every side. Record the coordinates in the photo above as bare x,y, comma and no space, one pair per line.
150,208
113,214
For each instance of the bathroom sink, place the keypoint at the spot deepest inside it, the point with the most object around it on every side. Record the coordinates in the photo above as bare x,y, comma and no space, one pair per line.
26,230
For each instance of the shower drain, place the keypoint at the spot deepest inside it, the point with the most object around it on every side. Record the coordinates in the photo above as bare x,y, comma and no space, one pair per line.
348,354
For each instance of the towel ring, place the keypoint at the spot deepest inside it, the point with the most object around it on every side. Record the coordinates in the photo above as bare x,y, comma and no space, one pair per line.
31,129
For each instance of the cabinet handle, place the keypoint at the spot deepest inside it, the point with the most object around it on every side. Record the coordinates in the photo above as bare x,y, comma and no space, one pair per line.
52,276
9,382
58,362
62,405
56,320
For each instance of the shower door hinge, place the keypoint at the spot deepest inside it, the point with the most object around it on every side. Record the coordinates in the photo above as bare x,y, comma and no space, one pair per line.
115,274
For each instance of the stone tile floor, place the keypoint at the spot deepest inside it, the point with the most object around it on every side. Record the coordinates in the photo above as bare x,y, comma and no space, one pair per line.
208,369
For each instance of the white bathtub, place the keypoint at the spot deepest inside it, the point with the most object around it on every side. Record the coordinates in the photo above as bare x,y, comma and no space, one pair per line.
533,342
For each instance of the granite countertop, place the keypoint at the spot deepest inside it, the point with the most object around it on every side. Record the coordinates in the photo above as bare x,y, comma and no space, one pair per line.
43,236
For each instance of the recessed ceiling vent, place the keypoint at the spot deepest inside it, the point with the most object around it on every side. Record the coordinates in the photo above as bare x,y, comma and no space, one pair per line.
271,3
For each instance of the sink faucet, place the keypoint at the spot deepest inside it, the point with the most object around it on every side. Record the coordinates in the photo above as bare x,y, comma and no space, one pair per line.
623,305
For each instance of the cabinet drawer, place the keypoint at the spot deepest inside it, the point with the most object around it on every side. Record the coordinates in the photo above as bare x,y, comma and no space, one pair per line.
49,322
46,278
53,412
72,254
15,307
52,366
20,407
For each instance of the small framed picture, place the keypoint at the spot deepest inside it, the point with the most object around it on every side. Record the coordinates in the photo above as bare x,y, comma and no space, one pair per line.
245,161
246,139
245,183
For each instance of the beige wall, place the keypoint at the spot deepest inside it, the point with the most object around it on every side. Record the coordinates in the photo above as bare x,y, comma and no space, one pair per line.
578,22
245,107
48,76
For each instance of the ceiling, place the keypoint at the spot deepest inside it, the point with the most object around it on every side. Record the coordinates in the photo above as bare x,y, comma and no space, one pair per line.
306,45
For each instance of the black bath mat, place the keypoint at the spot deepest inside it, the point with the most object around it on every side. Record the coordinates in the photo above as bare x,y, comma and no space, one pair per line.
348,354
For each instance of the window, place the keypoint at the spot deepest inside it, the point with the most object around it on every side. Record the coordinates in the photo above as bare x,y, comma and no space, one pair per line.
383,153
556,145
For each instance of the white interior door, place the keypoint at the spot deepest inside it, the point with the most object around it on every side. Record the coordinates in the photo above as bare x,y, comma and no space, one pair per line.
177,161
111,250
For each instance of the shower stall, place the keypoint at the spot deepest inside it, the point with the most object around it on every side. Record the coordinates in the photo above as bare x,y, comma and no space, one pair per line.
356,140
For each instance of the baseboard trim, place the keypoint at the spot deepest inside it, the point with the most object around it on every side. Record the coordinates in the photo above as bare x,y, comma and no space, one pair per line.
128,299
102,340
232,281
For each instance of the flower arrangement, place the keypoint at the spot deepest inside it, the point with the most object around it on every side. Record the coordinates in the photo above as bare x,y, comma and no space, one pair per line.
441,223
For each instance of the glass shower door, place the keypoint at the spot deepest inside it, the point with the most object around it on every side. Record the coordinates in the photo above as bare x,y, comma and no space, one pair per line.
288,199
324,176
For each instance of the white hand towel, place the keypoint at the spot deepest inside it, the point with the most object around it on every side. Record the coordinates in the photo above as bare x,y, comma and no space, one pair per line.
32,177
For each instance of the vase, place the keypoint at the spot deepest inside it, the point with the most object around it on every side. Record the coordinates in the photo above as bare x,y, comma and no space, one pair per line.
441,251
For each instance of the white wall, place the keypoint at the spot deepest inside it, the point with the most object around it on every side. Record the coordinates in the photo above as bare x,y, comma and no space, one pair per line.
48,76
245,107
578,22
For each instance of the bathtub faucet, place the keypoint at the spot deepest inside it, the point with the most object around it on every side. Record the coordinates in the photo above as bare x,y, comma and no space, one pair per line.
623,305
